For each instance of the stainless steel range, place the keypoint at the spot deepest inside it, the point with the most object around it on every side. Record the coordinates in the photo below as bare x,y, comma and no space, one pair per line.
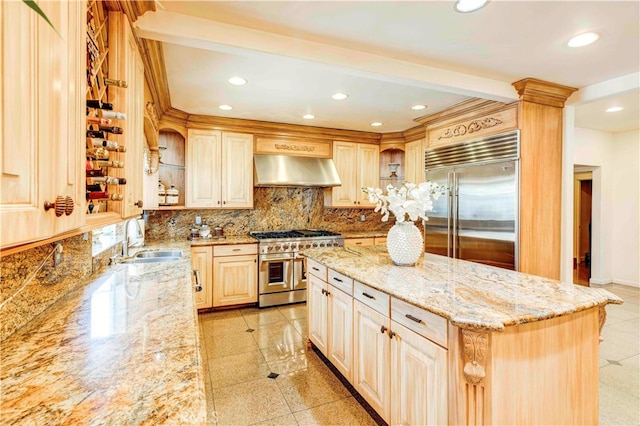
282,278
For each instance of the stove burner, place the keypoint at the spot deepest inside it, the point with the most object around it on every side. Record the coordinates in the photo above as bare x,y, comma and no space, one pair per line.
302,233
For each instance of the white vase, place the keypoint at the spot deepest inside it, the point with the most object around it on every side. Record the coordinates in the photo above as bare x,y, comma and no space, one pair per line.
405,243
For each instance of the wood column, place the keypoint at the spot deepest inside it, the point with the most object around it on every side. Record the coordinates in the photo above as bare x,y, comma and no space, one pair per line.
540,123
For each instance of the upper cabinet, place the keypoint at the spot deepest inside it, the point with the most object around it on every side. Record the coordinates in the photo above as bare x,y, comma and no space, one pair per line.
357,166
42,93
414,162
219,169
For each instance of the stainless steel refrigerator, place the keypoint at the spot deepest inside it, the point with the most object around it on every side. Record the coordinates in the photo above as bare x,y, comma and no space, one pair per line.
477,217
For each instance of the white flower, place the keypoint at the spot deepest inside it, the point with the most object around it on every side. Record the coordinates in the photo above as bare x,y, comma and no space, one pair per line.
410,199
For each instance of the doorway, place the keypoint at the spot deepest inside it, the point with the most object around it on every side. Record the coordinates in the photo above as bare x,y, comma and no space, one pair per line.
582,227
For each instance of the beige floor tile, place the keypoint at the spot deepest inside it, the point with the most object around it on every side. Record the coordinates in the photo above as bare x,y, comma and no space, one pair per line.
249,403
279,353
294,311
288,420
279,334
300,324
258,319
211,409
230,344
240,368
622,377
343,412
310,387
630,327
300,361
619,408
227,313
227,325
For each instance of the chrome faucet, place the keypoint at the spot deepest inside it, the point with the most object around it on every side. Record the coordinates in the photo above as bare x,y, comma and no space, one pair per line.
125,243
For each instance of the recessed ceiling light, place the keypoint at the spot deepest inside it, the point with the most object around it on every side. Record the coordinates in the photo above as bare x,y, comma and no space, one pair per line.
614,109
583,39
308,116
376,124
418,107
238,81
466,6
226,107
340,96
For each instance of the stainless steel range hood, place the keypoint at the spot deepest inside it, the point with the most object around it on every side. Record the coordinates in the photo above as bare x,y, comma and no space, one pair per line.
284,170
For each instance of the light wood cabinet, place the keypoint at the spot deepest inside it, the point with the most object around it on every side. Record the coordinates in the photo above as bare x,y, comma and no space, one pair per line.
358,167
235,275
126,64
414,162
418,379
317,305
359,242
340,331
202,261
219,169
41,120
372,353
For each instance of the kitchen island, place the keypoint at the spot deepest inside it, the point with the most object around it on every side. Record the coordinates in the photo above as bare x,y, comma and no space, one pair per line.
450,341
123,349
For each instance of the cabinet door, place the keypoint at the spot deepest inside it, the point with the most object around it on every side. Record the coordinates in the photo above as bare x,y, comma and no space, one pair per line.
202,261
372,364
202,163
317,312
344,157
235,280
340,328
414,162
237,170
419,379
368,166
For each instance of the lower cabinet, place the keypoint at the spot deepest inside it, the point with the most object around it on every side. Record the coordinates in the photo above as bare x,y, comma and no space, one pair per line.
228,274
372,358
367,241
317,318
202,262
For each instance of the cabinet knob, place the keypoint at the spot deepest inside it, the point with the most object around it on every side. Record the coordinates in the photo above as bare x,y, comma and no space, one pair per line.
59,205
224,202
138,203
392,334
68,209
354,202
218,201
383,329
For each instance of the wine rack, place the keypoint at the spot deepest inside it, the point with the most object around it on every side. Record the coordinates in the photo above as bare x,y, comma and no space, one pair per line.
104,151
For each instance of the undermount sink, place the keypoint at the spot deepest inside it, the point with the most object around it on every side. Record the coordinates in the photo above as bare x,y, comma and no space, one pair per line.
157,254
154,256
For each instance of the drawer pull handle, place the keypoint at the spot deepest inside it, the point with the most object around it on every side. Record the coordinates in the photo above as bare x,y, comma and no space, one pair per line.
368,295
359,243
383,329
337,279
198,286
412,318
236,249
315,269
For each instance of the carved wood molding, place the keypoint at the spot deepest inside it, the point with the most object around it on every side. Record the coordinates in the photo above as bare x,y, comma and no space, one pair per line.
288,147
150,111
543,92
602,318
475,347
474,126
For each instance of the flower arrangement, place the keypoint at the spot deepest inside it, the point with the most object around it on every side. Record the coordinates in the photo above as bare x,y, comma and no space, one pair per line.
409,200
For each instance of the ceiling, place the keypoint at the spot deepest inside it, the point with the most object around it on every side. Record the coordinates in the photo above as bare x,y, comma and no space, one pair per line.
389,56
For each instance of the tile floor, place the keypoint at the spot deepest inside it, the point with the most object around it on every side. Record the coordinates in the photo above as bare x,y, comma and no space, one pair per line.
241,347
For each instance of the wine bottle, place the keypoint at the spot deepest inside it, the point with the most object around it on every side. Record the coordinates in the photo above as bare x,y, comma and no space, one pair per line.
112,114
94,187
91,103
111,129
113,164
98,153
112,82
99,120
104,195
95,134
95,173
109,180
97,142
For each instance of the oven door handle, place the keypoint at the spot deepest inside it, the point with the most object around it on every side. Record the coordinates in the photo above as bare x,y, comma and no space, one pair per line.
278,259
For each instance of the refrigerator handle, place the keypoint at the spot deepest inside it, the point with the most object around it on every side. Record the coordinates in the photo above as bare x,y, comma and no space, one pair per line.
449,212
454,225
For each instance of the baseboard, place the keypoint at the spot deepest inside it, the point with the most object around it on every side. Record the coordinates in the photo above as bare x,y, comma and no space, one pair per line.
626,282
603,281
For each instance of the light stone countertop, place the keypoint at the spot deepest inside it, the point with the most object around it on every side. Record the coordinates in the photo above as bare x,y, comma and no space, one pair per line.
470,295
121,350
364,234
231,239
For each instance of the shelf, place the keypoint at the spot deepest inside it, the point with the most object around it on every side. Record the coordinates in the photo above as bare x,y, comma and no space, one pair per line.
169,208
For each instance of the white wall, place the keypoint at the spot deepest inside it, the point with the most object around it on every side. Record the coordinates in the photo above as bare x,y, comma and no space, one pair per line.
615,161
625,221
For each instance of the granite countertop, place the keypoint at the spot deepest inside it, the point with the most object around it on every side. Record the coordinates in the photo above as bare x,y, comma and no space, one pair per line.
121,350
363,234
230,239
470,295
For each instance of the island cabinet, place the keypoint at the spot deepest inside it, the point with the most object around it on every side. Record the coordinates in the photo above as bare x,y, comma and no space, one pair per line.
330,316
202,265
219,169
357,166
366,241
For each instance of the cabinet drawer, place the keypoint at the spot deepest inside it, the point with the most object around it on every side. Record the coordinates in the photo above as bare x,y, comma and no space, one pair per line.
358,242
235,249
314,268
423,322
340,281
381,241
371,297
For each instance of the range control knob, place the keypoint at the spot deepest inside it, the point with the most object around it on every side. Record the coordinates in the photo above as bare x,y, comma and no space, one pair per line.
285,247
314,245
269,248
321,244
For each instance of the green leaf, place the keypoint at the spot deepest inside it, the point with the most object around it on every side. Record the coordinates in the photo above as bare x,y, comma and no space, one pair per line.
34,6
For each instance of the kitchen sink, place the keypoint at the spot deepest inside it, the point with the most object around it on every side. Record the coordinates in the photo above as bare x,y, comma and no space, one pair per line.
149,259
158,254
